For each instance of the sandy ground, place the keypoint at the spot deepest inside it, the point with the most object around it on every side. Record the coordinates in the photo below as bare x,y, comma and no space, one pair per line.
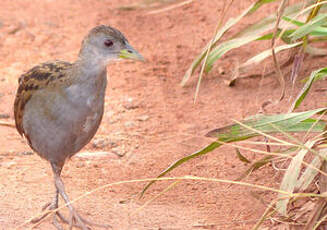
149,120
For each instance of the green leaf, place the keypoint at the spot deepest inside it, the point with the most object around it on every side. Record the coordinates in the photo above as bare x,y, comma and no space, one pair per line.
241,157
290,177
293,21
309,27
292,122
201,152
316,30
263,25
251,33
268,36
320,73
258,4
262,162
267,53
284,37
255,166
224,47
231,22
319,31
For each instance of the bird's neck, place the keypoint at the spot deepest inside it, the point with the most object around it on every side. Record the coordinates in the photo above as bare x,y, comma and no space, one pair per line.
90,69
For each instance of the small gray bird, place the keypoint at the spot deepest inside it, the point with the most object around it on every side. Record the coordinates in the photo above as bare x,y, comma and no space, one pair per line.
59,106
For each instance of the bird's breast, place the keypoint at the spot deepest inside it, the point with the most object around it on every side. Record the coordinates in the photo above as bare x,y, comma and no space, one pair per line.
59,122
88,101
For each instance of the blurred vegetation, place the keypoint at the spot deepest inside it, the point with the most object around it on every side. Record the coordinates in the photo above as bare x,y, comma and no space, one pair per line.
282,25
300,27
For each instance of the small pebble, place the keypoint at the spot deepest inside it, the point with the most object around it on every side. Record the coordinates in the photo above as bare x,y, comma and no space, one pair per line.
143,118
100,143
26,153
118,151
123,201
9,164
130,104
129,124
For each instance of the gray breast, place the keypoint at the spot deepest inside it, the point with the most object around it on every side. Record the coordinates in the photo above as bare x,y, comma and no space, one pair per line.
61,122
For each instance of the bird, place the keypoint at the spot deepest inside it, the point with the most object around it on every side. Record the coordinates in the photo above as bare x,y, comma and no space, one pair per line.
59,106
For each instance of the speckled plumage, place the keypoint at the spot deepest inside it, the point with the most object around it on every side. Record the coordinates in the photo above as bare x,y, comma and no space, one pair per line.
48,74
59,105
56,100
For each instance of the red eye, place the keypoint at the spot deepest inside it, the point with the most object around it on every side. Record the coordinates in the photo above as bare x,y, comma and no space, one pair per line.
108,43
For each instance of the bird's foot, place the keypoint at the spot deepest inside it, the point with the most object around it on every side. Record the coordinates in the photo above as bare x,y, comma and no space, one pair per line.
49,207
76,220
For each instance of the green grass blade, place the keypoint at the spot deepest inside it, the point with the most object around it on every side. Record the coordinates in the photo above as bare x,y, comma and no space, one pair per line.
258,4
267,53
290,178
203,151
241,157
284,35
268,23
251,33
317,30
224,47
262,162
260,27
230,23
292,122
320,73
255,166
293,21
307,28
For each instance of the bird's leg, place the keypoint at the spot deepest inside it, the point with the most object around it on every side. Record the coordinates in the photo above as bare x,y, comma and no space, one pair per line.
51,206
61,190
74,218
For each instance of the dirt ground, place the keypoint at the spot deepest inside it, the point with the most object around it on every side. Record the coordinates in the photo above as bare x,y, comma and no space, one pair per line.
149,122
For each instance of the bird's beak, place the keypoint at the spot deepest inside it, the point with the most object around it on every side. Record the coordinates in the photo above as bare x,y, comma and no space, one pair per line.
130,53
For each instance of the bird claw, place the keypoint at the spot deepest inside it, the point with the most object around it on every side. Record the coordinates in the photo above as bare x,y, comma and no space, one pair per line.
80,222
49,206
75,220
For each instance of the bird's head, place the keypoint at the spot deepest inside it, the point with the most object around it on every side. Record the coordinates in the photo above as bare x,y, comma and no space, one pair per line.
106,44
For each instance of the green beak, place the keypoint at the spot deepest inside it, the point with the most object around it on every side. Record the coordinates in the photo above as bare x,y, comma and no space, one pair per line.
130,53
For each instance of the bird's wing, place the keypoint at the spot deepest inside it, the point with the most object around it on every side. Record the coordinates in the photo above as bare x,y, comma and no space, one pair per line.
42,76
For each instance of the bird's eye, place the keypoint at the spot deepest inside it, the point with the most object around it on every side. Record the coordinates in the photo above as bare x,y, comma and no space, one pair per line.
108,43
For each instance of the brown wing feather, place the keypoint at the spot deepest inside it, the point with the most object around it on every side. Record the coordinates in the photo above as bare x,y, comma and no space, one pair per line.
39,77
